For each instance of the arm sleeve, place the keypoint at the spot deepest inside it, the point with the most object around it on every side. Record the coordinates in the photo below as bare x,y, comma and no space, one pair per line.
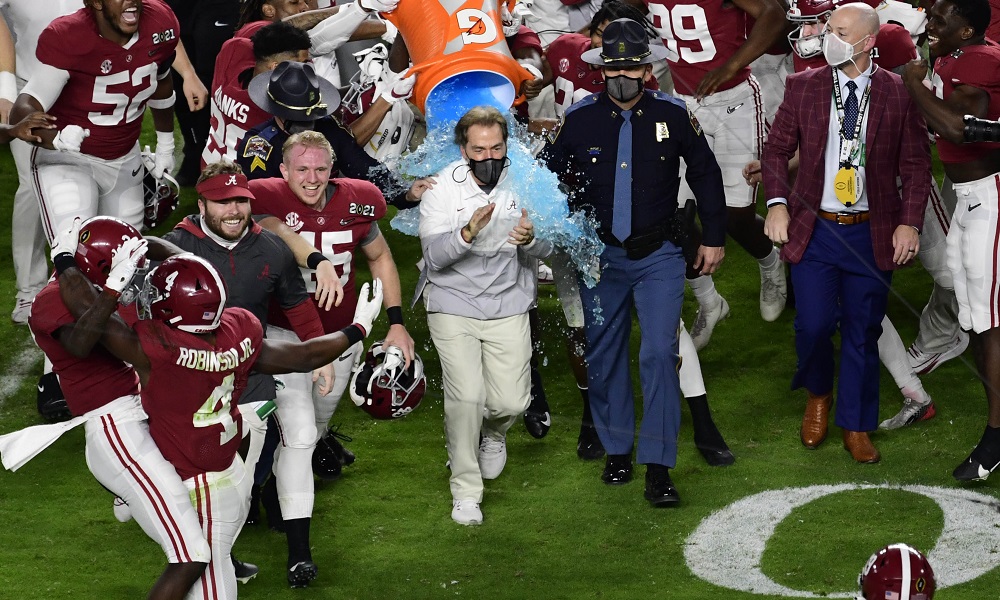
782,141
440,240
914,165
46,84
304,320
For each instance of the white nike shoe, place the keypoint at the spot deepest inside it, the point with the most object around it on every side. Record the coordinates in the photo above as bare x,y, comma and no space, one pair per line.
925,362
122,511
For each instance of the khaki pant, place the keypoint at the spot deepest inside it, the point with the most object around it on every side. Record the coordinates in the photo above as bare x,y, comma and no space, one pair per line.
486,383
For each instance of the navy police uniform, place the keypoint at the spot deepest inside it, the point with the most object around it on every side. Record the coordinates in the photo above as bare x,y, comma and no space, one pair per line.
259,154
647,270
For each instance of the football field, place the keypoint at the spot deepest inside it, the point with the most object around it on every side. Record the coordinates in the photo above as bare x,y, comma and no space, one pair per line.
782,522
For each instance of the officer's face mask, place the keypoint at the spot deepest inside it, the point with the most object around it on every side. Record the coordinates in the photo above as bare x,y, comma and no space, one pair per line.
623,88
836,51
488,170
293,127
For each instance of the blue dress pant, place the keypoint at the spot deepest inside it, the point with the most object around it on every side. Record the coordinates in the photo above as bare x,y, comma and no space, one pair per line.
838,283
654,286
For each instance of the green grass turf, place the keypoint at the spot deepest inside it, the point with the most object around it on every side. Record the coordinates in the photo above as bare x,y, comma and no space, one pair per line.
552,529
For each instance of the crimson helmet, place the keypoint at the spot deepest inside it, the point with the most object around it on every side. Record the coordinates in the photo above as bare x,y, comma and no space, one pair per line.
185,292
897,571
160,197
383,388
99,238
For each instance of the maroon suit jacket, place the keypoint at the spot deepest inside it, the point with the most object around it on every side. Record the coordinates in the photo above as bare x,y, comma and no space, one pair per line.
896,145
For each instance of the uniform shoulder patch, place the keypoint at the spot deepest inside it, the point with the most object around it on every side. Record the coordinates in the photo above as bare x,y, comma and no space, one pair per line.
259,149
694,123
665,97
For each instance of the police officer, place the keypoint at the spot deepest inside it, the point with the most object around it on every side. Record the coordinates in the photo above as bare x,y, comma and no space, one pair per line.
299,100
619,151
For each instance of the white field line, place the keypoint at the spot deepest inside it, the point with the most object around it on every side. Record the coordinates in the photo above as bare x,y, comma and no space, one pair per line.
21,367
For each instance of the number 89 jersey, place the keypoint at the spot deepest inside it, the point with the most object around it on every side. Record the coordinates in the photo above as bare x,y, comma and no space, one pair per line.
337,229
700,35
194,387
108,84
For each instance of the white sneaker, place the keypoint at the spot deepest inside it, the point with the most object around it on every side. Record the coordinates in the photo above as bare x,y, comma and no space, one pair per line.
925,362
466,512
22,308
705,322
545,275
773,292
492,456
122,511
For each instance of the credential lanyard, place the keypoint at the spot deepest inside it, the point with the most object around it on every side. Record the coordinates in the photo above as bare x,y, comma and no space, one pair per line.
850,151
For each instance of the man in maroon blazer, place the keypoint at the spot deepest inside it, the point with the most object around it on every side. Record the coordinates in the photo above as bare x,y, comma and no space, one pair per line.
844,225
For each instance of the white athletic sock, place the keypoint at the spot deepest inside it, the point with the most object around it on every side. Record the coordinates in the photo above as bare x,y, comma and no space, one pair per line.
704,291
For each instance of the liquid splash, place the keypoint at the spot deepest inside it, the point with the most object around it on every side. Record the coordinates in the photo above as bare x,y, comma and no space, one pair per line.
537,187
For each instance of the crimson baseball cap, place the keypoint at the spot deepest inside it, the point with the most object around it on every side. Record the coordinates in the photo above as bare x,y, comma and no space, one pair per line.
225,186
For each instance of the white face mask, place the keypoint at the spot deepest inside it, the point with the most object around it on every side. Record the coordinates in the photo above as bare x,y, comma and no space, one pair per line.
837,51
809,47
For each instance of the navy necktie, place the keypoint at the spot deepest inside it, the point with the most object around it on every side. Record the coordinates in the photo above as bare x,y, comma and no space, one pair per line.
850,111
621,225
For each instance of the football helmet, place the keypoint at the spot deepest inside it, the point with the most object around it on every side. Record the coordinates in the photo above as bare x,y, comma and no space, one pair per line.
808,12
160,196
185,292
897,571
99,238
383,388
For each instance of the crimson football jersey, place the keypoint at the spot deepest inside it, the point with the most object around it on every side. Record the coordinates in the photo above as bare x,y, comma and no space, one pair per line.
572,78
87,383
108,84
975,65
233,112
194,387
700,36
893,48
336,231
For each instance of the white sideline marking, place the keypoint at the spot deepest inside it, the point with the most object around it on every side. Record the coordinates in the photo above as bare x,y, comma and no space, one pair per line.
18,370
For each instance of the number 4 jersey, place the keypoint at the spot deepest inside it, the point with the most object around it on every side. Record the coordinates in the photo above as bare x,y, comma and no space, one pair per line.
108,84
193,388
337,229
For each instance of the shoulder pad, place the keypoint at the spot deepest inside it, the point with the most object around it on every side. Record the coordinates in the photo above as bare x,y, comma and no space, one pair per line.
582,102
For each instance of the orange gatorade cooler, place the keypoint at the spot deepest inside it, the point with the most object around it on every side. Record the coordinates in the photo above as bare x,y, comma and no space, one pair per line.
460,56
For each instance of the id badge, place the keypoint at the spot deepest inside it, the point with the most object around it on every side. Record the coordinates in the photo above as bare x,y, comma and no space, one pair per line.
847,186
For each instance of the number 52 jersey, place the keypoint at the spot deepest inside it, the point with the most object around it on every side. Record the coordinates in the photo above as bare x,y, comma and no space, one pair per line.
108,84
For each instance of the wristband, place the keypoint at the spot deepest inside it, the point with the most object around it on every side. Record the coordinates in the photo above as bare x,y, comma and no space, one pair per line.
314,259
8,86
63,261
354,333
164,140
395,314
162,103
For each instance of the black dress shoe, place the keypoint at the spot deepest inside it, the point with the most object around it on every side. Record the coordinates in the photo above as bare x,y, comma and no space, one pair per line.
660,490
617,469
717,457
588,445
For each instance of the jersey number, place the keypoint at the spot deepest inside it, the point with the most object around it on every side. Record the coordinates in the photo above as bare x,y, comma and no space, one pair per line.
685,25
215,411
226,138
327,240
125,108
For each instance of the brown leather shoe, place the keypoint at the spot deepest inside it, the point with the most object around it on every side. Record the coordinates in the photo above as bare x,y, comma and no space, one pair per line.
815,419
861,447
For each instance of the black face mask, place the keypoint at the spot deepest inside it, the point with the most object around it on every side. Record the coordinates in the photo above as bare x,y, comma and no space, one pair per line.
293,127
622,88
488,170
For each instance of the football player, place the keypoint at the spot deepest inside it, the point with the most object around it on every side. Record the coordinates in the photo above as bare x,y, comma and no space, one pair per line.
99,68
709,53
185,333
339,217
964,82
102,392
